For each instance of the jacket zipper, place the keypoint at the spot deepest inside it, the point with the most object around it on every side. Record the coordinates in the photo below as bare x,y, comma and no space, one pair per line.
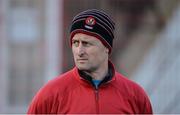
97,100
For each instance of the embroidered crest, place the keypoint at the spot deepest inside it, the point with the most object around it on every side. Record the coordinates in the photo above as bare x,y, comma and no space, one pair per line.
90,21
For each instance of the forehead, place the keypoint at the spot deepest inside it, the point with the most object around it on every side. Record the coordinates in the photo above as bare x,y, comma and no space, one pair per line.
85,37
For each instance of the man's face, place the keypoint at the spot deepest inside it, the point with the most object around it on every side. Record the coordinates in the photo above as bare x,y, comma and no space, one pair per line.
89,53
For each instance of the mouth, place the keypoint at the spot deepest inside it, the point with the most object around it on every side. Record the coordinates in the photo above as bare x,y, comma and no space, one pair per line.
81,60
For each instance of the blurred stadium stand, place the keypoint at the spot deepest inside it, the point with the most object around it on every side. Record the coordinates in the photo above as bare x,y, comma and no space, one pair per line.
159,71
34,47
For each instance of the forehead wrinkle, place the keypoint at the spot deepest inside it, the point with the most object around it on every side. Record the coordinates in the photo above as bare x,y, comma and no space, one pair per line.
84,38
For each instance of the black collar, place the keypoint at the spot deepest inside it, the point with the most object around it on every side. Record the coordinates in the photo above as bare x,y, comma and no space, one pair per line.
107,78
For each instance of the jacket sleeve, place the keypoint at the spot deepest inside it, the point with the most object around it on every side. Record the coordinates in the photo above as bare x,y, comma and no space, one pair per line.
46,101
39,106
147,109
144,103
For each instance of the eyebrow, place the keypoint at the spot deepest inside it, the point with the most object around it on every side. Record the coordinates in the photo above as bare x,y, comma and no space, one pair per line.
74,40
82,40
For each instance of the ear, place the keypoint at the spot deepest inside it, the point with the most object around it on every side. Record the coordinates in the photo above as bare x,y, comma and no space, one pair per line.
107,50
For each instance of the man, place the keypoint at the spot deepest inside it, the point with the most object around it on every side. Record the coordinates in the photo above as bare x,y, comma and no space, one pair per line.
93,85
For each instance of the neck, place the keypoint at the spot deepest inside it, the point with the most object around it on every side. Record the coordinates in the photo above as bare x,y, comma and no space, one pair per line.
99,73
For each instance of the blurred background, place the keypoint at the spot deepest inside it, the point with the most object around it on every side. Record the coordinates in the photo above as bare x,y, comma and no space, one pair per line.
34,47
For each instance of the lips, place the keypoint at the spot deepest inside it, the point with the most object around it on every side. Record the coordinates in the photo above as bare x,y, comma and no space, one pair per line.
82,60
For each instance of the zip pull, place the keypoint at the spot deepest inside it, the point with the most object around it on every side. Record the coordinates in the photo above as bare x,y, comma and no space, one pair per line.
96,94
97,100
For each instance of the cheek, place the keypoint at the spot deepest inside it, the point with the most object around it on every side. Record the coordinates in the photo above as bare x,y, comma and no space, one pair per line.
73,50
99,55
74,53
94,54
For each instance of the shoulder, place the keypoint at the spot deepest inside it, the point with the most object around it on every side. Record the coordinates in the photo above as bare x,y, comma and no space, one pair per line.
52,93
58,86
128,84
129,88
134,92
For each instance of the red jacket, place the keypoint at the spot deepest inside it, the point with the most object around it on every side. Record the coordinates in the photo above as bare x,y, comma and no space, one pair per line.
70,93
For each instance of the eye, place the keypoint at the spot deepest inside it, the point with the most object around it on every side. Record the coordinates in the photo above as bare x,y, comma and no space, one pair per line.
75,43
86,44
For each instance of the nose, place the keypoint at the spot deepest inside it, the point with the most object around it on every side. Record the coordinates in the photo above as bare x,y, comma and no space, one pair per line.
81,50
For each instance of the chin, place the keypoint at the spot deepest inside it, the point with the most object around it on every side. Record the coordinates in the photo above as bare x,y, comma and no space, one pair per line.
83,68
